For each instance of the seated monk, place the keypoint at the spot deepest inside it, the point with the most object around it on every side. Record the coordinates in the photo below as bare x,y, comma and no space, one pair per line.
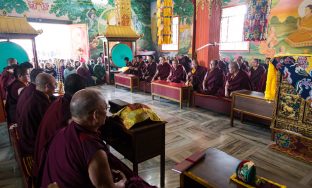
236,80
256,72
128,63
27,91
177,73
196,77
13,90
33,111
162,71
7,77
137,66
77,156
56,117
149,69
213,83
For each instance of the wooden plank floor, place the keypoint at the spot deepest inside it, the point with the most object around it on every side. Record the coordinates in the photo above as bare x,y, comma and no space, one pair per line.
188,130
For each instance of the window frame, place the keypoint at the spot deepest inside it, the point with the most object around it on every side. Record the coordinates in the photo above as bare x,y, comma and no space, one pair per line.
161,48
248,42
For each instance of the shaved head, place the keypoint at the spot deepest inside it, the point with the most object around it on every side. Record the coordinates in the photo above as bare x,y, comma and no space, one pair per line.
45,83
88,108
74,83
34,73
233,67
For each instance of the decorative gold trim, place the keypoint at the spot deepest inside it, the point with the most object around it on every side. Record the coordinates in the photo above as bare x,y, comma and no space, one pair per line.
154,83
198,179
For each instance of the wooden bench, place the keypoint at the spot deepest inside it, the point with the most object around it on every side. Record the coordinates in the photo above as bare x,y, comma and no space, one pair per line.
178,92
25,162
145,86
217,104
127,80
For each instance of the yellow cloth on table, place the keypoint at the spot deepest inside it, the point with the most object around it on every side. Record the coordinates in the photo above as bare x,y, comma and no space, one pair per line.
136,113
123,69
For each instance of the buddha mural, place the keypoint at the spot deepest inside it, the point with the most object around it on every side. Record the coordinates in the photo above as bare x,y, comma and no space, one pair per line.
302,37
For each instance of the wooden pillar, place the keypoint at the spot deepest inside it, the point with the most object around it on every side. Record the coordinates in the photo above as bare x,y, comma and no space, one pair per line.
207,30
35,53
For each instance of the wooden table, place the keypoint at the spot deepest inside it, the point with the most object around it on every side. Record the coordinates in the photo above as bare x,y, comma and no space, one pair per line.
127,80
251,103
178,92
216,168
140,143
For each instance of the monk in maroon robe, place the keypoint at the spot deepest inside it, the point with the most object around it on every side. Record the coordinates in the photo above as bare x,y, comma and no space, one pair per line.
256,72
149,69
177,73
262,83
214,80
196,77
77,157
163,70
33,111
242,64
7,77
27,91
21,80
236,80
137,66
55,118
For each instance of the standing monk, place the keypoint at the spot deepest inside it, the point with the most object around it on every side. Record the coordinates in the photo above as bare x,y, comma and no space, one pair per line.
177,73
33,111
57,116
149,69
7,77
27,91
243,66
162,71
196,76
77,157
21,80
256,73
214,80
237,80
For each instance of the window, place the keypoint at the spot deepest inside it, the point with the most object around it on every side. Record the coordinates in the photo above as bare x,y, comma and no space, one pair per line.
175,37
232,29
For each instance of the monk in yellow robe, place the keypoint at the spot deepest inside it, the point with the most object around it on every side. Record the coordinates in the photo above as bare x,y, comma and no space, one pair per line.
302,37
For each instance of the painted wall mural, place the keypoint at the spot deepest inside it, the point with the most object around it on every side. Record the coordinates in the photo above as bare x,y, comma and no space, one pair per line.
97,14
290,21
184,9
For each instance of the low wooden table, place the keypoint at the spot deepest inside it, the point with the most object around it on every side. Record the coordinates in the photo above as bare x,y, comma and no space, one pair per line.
178,92
251,103
216,168
127,80
140,143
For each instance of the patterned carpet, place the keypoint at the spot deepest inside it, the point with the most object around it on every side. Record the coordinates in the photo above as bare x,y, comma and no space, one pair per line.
188,130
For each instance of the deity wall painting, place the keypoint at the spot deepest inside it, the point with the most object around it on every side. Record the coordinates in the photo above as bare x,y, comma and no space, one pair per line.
290,21
95,13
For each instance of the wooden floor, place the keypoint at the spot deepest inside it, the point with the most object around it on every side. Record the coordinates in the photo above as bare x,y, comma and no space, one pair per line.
188,130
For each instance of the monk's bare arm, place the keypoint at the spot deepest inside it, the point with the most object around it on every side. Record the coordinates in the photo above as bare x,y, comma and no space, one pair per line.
99,171
155,76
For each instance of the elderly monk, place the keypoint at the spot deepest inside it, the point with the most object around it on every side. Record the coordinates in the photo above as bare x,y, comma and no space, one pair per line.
196,77
57,116
13,90
7,77
149,69
162,71
27,91
236,80
213,83
77,157
256,73
177,72
33,111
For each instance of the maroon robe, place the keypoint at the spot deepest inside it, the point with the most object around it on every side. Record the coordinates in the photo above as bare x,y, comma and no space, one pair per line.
177,75
197,78
6,79
149,71
255,77
137,69
12,98
24,95
239,82
29,120
55,118
163,71
214,83
69,155
262,83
